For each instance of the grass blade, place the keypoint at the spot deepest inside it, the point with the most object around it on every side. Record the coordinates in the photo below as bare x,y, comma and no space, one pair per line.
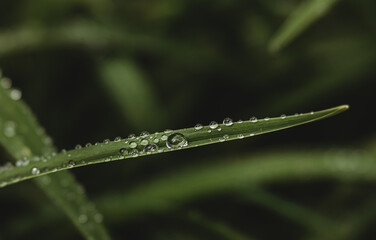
166,141
304,15
24,139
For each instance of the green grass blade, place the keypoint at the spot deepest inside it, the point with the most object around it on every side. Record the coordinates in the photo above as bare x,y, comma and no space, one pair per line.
304,15
24,139
166,141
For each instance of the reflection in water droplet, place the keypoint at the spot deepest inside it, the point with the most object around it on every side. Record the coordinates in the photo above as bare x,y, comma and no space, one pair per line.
198,127
35,171
253,119
132,144
228,122
213,125
176,140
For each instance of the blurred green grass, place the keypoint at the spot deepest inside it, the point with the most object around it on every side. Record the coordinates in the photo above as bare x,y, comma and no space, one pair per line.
79,62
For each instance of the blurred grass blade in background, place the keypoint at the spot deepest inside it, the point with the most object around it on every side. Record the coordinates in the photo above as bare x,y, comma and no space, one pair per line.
299,20
26,141
166,141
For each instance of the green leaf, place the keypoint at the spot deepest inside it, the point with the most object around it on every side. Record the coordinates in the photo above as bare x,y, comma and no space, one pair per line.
24,139
304,15
159,142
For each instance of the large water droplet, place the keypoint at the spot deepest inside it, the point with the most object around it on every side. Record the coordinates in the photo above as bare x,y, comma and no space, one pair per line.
253,119
144,142
132,144
176,140
164,137
15,94
228,122
35,171
198,127
213,125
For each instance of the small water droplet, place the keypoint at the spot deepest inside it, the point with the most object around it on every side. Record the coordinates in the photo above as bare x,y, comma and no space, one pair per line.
219,129
132,144
283,116
117,139
296,114
168,131
88,145
71,164
144,142
240,136
312,112
164,137
228,122
266,118
213,125
106,141
198,127
78,146
225,137
131,136
209,130
10,129
35,171
144,134
156,140
15,94
176,140
253,119
252,134
134,152
123,151
6,83
240,121
82,218
150,148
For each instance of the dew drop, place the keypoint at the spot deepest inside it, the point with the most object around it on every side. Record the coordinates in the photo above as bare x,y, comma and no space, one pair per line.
106,141
225,137
266,119
132,144
10,129
240,121
312,112
156,140
134,152
131,136
198,127
15,94
150,148
144,134
164,137
176,140
78,146
117,139
71,163
168,131
253,119
123,151
252,134
5,83
228,122
88,145
144,142
213,125
82,218
240,136
35,171
283,116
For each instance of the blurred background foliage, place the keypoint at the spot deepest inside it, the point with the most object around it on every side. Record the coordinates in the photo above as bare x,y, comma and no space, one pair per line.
96,69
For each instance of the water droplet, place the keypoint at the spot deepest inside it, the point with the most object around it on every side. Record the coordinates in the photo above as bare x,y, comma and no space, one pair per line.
88,145
123,151
156,140
296,114
225,137
131,136
6,83
10,129
240,136
240,121
71,164
144,142
144,134
82,218
22,162
164,137
151,148
117,139
312,112
132,144
283,116
198,127
228,122
209,130
176,140
15,94
78,146
106,141
266,118
168,131
253,119
213,125
35,171
219,129
252,134
134,152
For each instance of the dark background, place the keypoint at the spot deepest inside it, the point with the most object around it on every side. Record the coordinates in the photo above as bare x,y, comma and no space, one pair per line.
98,69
